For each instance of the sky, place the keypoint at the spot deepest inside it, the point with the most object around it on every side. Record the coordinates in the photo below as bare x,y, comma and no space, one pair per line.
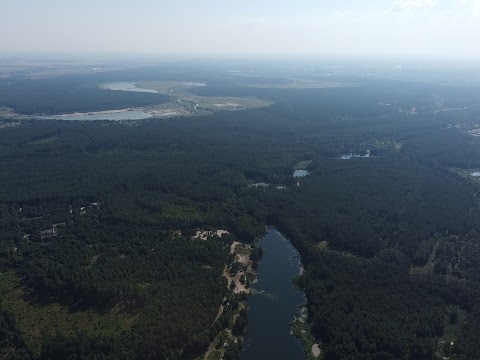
351,28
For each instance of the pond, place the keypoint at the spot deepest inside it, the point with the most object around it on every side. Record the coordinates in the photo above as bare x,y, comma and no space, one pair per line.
300,173
273,307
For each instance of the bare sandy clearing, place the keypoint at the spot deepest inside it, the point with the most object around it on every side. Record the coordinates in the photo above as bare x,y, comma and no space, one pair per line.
244,259
192,104
204,235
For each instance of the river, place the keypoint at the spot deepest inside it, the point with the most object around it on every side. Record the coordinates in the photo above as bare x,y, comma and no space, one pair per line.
127,114
274,306
127,86
104,115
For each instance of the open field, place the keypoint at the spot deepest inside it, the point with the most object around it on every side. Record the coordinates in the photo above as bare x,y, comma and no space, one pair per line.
302,85
186,103
302,165
39,320
6,113
168,87
36,69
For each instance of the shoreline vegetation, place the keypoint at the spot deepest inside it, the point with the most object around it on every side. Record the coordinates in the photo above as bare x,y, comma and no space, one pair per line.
239,273
97,218
182,103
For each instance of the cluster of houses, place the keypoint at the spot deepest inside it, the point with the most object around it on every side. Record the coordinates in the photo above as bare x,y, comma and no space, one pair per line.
53,232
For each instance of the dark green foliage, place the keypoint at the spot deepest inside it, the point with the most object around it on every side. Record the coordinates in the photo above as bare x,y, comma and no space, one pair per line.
73,93
256,255
467,346
240,323
156,182
12,344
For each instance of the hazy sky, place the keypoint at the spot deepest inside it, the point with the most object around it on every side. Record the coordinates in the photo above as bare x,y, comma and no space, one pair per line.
247,27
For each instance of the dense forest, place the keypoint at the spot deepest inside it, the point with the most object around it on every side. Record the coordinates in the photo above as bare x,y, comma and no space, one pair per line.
97,218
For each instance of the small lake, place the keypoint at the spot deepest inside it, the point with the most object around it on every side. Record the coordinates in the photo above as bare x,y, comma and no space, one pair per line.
114,115
300,173
273,308
126,86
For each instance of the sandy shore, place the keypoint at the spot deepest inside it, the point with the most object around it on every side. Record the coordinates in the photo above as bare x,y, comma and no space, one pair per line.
245,261
316,350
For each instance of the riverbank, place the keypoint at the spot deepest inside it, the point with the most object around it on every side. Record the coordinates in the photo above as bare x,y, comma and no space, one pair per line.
277,316
302,331
272,309
239,274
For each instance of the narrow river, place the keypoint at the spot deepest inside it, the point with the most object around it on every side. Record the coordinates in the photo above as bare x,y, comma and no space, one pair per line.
274,306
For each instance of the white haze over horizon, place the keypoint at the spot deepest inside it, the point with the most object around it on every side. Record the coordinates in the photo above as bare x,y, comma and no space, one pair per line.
426,28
